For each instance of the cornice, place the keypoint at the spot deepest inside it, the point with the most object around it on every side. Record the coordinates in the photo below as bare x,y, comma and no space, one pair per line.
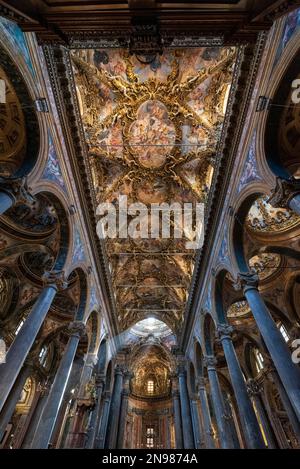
63,86
243,85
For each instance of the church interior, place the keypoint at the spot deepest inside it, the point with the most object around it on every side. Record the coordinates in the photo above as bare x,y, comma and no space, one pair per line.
140,342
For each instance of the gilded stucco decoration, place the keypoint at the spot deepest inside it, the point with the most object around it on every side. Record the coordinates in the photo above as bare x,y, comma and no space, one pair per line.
265,264
264,218
150,364
152,131
12,130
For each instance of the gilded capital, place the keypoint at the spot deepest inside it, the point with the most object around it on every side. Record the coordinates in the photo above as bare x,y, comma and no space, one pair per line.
224,331
76,329
55,278
246,280
210,362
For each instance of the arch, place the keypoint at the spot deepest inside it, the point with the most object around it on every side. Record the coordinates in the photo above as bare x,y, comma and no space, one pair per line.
102,356
93,321
109,376
33,129
218,296
192,378
273,123
237,235
208,334
198,360
78,275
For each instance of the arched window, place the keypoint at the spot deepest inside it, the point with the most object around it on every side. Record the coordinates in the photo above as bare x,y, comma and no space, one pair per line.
150,386
283,331
259,360
43,356
19,326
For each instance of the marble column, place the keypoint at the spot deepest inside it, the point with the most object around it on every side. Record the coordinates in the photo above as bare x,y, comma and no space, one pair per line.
250,425
207,426
187,427
25,338
254,391
96,413
44,392
124,409
13,398
50,412
114,412
14,191
288,371
101,436
224,432
195,422
286,194
177,419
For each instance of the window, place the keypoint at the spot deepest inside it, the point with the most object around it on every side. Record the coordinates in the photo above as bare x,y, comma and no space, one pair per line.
19,326
259,360
150,386
43,355
283,331
150,437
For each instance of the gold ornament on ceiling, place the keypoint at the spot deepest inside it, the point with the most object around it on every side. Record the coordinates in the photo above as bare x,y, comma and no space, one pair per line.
12,130
265,264
263,217
152,131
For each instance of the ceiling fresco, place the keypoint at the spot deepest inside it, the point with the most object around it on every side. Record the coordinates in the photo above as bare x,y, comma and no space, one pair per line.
151,132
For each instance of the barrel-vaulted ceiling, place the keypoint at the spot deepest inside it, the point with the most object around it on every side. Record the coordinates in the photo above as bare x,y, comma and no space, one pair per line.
152,131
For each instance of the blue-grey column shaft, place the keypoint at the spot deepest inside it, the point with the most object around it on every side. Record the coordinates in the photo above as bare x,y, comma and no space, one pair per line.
6,201
96,414
122,420
13,399
177,420
35,420
124,408
289,372
101,437
208,432
22,344
114,413
254,391
50,412
187,427
250,425
224,431
196,423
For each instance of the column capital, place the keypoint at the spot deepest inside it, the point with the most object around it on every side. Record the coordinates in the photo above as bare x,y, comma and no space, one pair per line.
119,369
55,278
100,380
246,281
224,331
210,362
201,383
284,191
18,190
253,387
76,329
